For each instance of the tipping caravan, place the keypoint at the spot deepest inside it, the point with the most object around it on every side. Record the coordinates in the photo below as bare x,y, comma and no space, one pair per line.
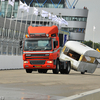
81,57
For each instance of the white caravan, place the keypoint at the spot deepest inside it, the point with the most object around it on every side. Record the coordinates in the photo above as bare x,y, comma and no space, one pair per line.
81,57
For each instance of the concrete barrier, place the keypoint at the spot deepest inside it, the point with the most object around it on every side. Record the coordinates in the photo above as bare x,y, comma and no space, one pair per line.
10,62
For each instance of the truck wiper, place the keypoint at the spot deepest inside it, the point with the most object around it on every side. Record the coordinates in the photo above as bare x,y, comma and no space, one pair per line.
43,49
38,49
34,50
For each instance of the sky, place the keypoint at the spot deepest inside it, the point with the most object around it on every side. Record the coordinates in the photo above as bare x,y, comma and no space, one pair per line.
93,18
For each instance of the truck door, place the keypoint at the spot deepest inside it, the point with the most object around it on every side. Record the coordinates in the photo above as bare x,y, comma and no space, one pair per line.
55,49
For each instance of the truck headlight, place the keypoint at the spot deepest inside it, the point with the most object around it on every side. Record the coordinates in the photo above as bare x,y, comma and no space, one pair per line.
25,61
49,61
47,35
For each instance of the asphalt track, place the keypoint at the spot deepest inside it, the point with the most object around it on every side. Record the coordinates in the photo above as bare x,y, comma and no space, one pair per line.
18,85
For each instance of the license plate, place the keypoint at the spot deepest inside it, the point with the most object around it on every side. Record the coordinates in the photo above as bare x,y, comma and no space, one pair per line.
37,66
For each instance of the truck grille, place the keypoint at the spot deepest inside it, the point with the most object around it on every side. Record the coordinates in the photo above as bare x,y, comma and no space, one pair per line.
37,54
37,62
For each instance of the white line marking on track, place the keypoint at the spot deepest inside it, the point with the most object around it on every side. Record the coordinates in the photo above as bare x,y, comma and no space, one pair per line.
81,95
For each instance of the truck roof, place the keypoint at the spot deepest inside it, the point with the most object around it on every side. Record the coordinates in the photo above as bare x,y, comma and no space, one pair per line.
37,38
43,29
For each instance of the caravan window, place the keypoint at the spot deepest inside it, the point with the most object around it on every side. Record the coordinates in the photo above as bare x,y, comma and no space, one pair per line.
87,59
71,53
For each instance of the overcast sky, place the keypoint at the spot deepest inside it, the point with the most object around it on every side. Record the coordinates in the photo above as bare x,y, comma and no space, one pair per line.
93,18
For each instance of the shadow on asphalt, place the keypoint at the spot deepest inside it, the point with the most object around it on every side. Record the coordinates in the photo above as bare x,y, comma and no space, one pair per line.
75,74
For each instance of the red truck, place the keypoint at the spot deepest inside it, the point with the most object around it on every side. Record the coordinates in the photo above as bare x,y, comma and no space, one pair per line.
41,49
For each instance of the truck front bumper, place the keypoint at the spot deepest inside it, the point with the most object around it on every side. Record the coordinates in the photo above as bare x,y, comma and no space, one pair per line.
39,66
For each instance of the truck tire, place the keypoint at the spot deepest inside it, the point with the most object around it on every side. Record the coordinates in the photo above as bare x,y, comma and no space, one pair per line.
68,68
39,70
62,71
82,72
56,71
28,70
44,71
34,69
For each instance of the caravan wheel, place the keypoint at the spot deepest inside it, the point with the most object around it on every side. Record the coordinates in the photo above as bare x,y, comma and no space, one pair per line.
82,72
68,68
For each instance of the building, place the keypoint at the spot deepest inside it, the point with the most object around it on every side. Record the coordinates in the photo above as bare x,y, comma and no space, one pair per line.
9,49
77,18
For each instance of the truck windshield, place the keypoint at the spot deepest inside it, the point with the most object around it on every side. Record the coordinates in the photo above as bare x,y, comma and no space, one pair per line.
31,45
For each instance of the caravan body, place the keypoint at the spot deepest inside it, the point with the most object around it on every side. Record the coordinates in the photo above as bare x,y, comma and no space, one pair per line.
81,57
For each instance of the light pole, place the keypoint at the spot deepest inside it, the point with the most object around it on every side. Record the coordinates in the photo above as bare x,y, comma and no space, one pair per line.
93,35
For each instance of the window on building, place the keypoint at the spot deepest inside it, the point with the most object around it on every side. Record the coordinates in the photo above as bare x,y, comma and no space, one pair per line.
0,48
19,51
4,8
3,5
14,50
0,32
75,30
48,5
9,50
60,6
6,33
11,32
16,6
74,18
4,49
36,5
17,34
15,14
21,35
8,15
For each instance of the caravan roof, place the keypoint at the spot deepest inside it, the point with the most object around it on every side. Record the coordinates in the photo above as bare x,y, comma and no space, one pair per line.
82,49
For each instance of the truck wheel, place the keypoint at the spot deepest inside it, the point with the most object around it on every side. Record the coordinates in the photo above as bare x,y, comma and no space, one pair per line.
28,70
44,71
39,70
82,72
68,68
56,71
34,69
62,71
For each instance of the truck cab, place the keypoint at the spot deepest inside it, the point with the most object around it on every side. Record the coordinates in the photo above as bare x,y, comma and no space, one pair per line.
41,49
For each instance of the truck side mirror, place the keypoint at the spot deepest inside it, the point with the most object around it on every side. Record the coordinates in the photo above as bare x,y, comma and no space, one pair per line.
20,44
55,44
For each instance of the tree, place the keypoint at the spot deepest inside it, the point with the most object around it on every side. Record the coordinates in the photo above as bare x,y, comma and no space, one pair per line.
90,44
